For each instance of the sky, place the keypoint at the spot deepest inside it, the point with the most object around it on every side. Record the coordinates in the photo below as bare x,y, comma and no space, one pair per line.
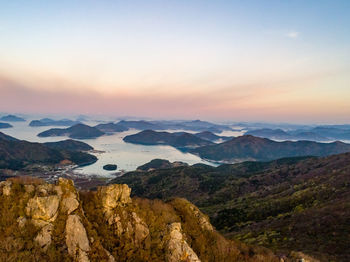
263,60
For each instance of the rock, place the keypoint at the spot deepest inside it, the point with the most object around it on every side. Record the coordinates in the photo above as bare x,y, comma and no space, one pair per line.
29,189
44,236
70,204
6,187
110,167
114,195
203,221
140,228
21,221
177,248
76,238
43,208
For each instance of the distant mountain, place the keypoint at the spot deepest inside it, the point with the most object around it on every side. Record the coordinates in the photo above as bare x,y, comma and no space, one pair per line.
269,133
331,132
5,125
112,127
182,140
255,148
195,125
51,122
279,134
206,135
17,154
287,204
79,131
12,118
160,164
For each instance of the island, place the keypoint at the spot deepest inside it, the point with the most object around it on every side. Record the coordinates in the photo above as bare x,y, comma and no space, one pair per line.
78,131
12,118
181,140
5,125
51,122
110,167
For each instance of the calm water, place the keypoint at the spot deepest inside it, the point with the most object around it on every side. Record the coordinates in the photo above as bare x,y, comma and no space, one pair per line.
126,156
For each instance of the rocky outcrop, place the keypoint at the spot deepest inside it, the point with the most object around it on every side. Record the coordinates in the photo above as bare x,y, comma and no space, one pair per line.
76,239
177,248
5,187
108,225
127,224
114,195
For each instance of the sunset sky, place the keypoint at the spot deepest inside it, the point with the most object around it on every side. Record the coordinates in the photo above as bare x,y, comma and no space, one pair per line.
260,60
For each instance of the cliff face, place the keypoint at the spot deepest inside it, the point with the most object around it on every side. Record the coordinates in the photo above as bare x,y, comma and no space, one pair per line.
46,222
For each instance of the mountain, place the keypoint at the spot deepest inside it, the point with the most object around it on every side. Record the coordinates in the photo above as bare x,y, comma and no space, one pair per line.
17,154
56,222
141,125
207,135
5,125
78,131
12,118
278,134
195,125
7,137
255,148
51,122
112,127
288,204
160,164
178,140
332,132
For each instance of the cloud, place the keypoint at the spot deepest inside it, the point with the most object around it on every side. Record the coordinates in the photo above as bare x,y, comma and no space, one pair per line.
293,34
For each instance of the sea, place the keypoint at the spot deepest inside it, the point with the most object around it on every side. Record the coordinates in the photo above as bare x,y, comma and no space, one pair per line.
111,149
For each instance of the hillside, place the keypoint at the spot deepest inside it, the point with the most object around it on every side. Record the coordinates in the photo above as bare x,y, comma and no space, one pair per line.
178,140
55,222
79,131
288,204
248,147
17,154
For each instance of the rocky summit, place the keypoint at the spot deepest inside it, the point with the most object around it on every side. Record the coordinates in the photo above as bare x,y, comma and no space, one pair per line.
55,222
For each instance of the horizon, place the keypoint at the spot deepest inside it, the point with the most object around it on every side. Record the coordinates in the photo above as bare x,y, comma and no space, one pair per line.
256,61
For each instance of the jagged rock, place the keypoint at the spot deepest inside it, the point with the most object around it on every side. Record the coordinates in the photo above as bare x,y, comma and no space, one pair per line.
114,195
43,208
45,189
70,203
203,221
29,189
76,238
6,187
44,236
177,248
140,228
21,221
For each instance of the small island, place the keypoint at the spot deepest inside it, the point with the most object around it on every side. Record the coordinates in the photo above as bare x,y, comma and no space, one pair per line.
12,118
110,167
5,125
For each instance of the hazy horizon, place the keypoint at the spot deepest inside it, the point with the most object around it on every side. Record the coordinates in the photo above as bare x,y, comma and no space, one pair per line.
271,61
